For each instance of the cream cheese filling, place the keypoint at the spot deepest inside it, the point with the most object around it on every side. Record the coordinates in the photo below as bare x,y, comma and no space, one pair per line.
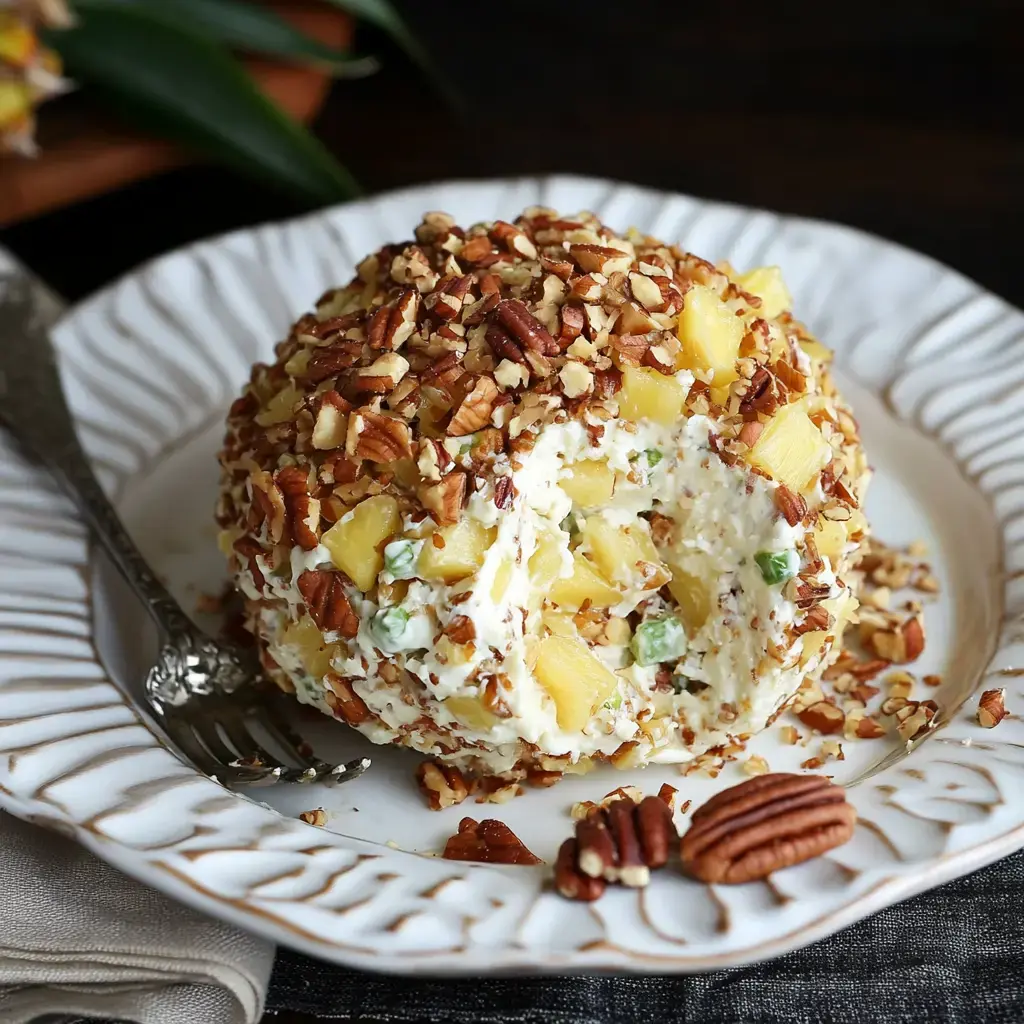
725,516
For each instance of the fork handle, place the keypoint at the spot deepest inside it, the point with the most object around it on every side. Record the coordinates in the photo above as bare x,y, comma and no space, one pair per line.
33,407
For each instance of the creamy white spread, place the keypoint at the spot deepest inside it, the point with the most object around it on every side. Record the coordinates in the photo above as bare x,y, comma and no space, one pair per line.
739,658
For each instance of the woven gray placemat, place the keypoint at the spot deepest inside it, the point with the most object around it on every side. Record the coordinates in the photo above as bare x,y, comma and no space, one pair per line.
954,954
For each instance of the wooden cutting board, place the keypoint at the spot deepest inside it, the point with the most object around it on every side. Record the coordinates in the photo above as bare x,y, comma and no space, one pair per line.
86,152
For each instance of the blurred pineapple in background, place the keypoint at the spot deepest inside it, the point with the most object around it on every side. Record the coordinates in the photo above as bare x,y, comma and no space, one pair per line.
29,72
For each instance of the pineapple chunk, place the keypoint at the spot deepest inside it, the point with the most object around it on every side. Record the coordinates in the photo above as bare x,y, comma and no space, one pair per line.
711,334
692,597
815,350
650,395
590,485
471,712
502,578
314,654
226,540
791,449
465,547
280,408
559,623
546,560
842,608
577,682
830,538
356,543
585,583
767,284
617,549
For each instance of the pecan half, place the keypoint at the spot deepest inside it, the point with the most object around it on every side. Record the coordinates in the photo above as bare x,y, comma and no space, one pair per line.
443,785
991,708
624,842
326,601
377,437
765,824
570,880
490,841
475,409
517,319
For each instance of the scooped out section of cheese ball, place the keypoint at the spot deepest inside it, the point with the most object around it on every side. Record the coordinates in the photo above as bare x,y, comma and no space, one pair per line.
535,495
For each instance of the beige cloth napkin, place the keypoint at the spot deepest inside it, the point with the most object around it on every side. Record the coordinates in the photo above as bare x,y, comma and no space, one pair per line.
79,939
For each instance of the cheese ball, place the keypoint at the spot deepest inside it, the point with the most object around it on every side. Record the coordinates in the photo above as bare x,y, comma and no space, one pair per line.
537,495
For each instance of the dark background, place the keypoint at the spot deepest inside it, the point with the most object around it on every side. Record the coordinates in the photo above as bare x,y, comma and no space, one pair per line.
899,118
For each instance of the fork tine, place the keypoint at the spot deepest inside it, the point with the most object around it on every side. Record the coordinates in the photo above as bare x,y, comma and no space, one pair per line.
244,741
284,736
205,726
183,736
312,769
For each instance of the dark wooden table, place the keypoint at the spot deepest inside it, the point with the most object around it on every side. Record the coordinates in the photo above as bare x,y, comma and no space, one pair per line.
889,117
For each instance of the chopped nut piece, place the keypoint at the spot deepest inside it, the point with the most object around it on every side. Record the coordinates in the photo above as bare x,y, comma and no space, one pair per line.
511,375
576,380
991,708
755,765
823,717
869,729
792,506
317,817
789,735
489,841
901,645
474,411
327,603
446,498
600,259
525,327
378,437
382,375
442,785
331,423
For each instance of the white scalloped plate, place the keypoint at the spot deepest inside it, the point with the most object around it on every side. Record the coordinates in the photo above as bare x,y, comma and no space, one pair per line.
933,367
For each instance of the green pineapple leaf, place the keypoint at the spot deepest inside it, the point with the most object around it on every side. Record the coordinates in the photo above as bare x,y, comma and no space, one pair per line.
181,86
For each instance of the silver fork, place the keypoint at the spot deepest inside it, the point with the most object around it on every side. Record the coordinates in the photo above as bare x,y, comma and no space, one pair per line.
200,690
